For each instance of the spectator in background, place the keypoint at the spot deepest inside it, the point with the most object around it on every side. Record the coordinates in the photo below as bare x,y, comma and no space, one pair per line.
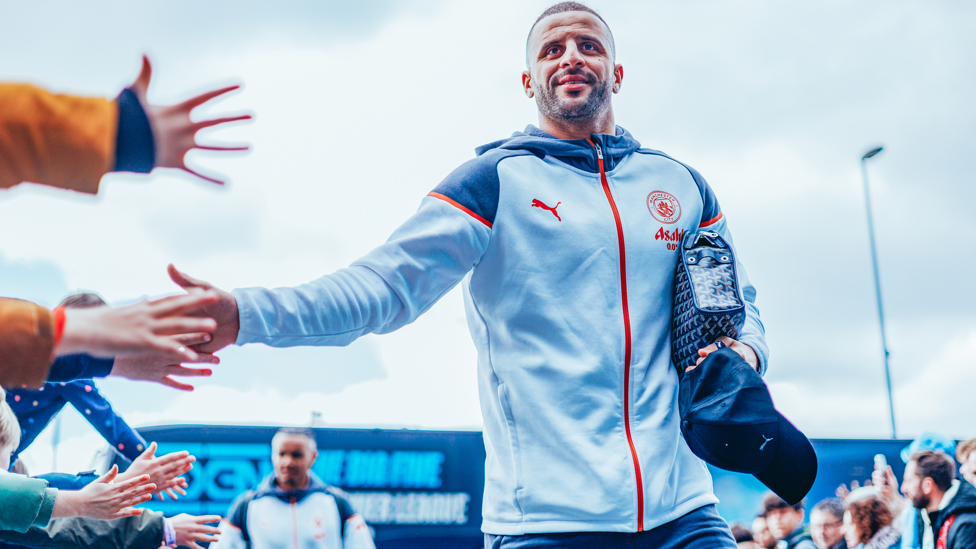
743,537
867,520
827,524
760,533
293,505
966,455
947,506
785,523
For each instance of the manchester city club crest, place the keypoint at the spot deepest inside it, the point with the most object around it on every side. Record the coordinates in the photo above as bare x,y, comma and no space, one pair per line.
664,207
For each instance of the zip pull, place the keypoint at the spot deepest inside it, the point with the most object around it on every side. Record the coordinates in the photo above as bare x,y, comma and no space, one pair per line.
599,151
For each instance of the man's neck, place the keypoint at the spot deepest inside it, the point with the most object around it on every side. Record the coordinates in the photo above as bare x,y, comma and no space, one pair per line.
298,485
563,129
934,502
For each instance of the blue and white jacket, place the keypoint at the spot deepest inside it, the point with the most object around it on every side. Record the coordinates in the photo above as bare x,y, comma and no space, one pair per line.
567,254
318,517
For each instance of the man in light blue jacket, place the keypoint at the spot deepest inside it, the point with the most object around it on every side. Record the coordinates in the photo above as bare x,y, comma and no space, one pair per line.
565,239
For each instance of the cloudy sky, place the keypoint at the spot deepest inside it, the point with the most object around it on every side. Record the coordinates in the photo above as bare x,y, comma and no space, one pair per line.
362,107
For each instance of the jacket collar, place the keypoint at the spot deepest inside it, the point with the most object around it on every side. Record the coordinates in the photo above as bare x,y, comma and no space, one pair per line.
577,152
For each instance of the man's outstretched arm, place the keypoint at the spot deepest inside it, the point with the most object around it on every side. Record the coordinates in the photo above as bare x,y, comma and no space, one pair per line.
71,142
385,290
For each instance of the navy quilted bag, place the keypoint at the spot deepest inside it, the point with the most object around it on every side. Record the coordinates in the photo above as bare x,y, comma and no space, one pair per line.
707,300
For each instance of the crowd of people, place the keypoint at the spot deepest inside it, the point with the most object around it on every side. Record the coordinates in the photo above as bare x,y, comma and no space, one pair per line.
932,507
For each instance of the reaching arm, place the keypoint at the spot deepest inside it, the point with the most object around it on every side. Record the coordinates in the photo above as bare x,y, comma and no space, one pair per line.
381,292
25,502
70,142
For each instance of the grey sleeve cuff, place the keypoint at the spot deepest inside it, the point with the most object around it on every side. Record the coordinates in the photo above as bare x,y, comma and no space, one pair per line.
47,508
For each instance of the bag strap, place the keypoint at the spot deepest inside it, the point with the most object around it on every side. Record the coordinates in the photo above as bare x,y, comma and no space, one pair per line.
345,508
245,503
943,542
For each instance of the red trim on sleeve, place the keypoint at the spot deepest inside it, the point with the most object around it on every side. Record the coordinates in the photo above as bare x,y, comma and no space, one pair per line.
58,324
711,221
460,207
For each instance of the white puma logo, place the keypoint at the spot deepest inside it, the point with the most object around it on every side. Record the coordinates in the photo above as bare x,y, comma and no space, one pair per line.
764,443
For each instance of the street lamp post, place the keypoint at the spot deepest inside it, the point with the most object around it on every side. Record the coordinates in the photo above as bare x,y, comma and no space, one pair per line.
877,282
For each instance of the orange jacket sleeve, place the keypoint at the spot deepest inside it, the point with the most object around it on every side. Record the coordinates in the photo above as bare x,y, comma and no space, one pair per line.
59,140
26,343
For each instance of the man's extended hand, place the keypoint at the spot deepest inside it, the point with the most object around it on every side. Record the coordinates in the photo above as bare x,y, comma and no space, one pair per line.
143,327
173,131
152,367
223,310
743,350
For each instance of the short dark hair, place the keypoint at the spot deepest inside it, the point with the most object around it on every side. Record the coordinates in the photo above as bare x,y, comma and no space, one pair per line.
564,7
936,466
772,502
740,533
82,300
834,506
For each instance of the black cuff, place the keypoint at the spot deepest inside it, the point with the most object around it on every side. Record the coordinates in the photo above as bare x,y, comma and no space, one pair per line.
71,367
135,148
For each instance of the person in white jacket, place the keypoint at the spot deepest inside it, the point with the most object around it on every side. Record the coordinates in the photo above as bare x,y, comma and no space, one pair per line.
292,507
565,238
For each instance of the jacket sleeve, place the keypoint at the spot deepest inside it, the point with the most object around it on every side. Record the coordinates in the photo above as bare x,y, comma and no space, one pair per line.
963,533
26,343
72,367
25,501
381,292
84,396
356,534
229,537
753,333
58,140
70,142
145,530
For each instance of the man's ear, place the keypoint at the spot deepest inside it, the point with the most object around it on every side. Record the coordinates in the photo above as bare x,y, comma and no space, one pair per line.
527,83
618,77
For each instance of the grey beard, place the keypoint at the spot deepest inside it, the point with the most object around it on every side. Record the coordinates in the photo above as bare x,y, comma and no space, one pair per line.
550,107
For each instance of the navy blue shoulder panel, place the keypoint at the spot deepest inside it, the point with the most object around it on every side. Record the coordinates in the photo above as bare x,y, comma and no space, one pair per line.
711,211
474,184
237,513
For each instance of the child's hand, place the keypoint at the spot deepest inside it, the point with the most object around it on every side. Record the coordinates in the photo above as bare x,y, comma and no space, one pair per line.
104,500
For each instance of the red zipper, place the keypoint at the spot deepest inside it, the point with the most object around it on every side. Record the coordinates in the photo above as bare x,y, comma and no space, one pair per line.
623,292
294,522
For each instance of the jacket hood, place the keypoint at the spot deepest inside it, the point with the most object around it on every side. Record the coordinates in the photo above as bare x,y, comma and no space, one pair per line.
574,151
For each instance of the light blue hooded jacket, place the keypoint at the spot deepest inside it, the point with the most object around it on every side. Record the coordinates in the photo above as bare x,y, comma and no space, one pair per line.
567,252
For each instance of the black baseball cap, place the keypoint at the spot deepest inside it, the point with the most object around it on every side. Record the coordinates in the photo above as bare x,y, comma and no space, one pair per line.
728,419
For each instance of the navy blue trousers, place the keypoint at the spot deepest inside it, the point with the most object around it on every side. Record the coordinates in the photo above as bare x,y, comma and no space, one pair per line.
702,528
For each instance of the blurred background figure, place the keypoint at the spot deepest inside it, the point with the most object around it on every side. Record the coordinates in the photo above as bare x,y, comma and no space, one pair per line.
743,537
827,524
868,520
946,506
966,455
785,523
760,533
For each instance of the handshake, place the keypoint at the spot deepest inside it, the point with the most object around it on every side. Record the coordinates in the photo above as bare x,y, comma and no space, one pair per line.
149,340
